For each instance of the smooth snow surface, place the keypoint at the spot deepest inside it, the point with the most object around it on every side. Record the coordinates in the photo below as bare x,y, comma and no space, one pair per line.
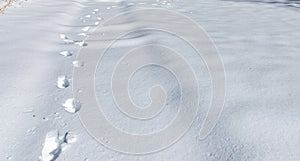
258,41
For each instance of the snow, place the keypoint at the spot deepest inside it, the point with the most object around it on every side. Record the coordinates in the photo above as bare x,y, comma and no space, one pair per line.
78,63
52,146
4,4
66,53
88,16
55,144
62,82
257,40
66,39
81,43
85,29
63,36
72,105
82,34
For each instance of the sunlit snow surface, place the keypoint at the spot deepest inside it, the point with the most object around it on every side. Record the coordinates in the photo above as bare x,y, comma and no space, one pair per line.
258,41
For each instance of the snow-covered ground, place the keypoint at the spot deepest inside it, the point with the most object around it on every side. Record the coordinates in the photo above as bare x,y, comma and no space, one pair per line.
258,42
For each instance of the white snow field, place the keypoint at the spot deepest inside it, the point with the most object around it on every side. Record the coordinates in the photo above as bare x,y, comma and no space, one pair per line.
258,41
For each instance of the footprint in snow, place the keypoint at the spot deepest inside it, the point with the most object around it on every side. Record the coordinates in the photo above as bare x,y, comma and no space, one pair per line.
81,43
77,63
87,16
62,82
53,145
85,29
66,39
72,105
82,34
66,53
63,36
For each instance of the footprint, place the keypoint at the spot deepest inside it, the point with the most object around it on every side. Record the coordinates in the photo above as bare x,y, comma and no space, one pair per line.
85,29
63,36
82,34
62,82
87,16
66,39
52,146
72,105
66,53
81,43
77,63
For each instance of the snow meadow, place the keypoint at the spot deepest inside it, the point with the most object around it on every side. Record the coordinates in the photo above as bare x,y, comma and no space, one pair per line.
150,80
